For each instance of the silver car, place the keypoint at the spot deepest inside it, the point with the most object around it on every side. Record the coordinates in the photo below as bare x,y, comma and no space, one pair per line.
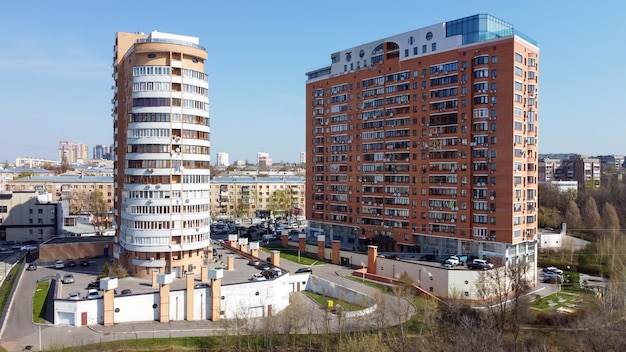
68,279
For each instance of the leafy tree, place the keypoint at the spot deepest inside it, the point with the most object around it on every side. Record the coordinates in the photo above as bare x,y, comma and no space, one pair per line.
280,202
242,209
98,207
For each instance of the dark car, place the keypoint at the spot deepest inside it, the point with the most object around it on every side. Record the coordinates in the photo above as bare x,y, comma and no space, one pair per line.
429,258
478,266
84,263
126,291
94,285
304,270
71,264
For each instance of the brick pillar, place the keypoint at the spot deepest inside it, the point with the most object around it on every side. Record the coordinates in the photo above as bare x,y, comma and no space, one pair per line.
284,239
230,262
335,257
109,307
372,255
321,246
302,242
189,296
209,252
216,298
254,249
275,258
155,272
243,245
204,273
164,303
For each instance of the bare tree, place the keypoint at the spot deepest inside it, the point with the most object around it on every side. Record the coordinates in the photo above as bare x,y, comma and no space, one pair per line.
572,215
591,216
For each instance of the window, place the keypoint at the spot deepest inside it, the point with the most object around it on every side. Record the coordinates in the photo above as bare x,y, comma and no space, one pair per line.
531,62
424,49
518,86
433,47
494,59
519,57
518,71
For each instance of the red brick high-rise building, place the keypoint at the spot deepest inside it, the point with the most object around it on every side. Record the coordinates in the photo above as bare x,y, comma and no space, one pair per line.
426,142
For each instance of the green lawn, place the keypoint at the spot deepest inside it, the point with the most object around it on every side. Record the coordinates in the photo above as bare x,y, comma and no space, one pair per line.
381,287
323,301
5,290
39,302
292,255
564,300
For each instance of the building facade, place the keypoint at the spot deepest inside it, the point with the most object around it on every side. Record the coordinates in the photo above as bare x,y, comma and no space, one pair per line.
244,197
585,170
102,152
222,159
70,152
29,216
426,142
162,154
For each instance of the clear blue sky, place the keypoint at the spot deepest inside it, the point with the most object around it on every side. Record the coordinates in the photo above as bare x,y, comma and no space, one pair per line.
55,66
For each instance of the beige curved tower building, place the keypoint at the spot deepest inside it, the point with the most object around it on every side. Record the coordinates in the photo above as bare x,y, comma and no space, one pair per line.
162,155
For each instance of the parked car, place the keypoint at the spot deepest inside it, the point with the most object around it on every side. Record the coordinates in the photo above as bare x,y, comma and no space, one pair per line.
59,264
551,277
254,262
68,279
71,264
84,263
553,269
74,295
428,258
453,259
304,270
31,267
477,265
257,277
93,294
94,285
482,262
202,285
447,264
126,292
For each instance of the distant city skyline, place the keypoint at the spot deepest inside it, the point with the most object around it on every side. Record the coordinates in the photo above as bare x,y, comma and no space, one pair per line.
56,69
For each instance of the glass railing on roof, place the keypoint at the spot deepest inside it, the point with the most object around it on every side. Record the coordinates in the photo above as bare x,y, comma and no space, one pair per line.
170,41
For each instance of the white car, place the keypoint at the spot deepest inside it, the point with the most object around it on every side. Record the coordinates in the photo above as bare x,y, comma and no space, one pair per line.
258,277
93,294
59,264
453,259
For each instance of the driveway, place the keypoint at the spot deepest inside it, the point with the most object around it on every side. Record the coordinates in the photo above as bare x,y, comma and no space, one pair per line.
20,331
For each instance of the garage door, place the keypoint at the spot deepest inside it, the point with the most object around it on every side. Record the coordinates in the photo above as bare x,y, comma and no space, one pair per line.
255,312
65,318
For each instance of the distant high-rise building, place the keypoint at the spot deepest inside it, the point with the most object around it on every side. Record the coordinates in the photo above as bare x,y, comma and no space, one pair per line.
264,160
426,142
302,157
222,159
102,152
70,152
162,163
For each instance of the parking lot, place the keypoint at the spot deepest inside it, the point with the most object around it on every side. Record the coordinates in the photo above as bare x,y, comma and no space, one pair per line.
83,275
